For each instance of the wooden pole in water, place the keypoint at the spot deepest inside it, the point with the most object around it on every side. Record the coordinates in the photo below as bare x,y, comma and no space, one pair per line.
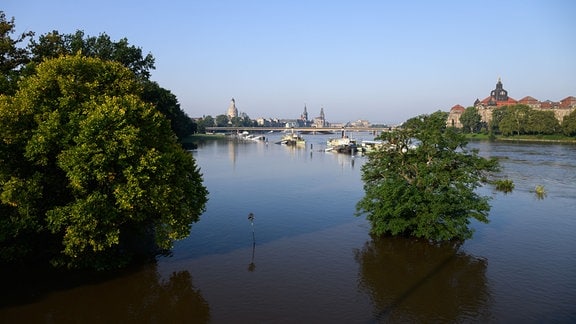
251,219
252,265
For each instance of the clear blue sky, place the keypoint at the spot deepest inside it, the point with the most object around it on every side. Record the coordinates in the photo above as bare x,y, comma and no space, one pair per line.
384,61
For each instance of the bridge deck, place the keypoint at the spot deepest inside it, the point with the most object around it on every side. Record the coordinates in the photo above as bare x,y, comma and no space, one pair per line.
297,129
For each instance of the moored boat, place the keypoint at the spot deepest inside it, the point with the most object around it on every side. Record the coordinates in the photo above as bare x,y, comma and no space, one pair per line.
292,139
370,146
343,145
245,136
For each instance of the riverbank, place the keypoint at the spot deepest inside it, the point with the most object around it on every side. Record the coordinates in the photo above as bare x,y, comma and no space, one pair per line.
475,137
191,142
204,136
523,138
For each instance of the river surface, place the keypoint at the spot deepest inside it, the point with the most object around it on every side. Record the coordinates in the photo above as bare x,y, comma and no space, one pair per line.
306,258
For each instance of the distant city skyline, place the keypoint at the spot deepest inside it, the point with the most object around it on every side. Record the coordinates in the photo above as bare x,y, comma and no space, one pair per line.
526,100
376,60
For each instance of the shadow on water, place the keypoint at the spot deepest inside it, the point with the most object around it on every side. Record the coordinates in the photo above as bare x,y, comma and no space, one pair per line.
415,281
32,296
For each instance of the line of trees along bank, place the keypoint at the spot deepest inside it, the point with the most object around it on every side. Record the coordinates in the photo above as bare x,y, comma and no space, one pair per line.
518,120
91,173
223,121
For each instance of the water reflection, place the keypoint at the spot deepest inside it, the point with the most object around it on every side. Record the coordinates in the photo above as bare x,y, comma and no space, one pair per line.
133,296
252,265
316,261
415,281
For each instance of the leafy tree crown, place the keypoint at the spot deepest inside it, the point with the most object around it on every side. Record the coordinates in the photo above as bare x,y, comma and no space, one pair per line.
422,183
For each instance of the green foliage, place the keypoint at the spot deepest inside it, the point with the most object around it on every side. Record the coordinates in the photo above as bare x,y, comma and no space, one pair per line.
504,185
54,44
209,121
542,123
237,121
424,184
88,170
569,124
497,116
524,120
202,123
221,120
12,56
514,120
471,120
167,104
540,192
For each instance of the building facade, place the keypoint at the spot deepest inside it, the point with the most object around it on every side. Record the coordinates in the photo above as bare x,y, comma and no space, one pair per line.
499,98
454,116
320,121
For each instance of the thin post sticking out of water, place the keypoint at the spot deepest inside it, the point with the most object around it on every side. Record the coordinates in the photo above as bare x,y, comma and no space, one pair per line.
252,265
251,219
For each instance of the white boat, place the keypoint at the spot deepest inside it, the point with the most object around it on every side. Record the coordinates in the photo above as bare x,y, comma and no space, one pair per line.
292,139
343,145
256,137
369,146
250,137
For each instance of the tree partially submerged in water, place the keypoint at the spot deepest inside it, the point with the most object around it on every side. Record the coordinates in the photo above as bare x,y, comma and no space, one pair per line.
423,184
88,169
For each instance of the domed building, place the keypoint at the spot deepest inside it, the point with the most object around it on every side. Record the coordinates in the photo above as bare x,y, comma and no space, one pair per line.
454,116
499,98
232,110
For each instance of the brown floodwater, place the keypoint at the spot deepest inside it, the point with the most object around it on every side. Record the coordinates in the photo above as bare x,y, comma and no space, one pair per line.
308,259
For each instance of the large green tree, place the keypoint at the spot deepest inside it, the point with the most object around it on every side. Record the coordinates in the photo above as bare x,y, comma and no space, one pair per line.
497,116
222,120
88,170
521,119
167,103
54,44
542,122
202,123
423,184
471,120
569,124
514,119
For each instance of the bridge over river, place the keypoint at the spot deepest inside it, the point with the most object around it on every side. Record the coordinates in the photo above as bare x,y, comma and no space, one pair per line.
304,130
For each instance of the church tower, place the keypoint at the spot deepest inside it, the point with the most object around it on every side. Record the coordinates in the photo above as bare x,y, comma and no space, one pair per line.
321,120
232,111
304,116
499,94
